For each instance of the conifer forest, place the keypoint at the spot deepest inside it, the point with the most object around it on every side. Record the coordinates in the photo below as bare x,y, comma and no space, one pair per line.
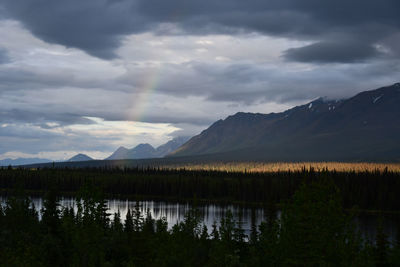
315,226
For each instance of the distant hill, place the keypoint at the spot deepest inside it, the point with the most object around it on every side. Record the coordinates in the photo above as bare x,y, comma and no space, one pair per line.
80,157
120,153
365,127
140,151
22,161
144,151
171,146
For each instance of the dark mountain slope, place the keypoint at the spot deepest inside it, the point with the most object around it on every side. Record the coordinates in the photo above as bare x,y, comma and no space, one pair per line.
364,127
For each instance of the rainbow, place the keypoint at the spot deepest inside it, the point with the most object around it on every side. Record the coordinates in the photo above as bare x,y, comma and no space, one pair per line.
146,88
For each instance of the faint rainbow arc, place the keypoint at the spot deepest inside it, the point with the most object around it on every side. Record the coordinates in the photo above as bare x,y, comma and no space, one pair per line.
142,98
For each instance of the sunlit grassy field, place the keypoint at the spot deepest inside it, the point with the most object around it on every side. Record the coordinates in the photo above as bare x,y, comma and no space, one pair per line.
284,166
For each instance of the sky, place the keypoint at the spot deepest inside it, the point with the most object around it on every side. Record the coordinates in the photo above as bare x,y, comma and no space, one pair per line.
90,76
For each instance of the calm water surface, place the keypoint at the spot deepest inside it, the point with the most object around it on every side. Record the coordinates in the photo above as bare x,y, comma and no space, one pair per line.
175,212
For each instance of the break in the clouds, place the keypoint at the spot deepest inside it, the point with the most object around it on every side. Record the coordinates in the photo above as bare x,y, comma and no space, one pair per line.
89,76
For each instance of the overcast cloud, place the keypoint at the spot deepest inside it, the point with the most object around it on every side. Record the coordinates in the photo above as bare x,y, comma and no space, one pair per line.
93,75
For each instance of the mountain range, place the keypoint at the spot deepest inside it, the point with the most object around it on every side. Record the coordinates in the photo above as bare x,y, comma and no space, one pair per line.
365,127
22,161
144,151
141,151
26,161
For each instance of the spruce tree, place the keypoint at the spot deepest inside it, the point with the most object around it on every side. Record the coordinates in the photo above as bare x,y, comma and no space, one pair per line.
128,222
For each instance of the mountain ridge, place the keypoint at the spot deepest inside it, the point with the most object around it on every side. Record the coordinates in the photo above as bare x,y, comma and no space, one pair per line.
143,151
365,126
22,161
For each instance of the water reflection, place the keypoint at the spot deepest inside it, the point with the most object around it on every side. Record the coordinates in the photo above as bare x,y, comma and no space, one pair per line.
175,212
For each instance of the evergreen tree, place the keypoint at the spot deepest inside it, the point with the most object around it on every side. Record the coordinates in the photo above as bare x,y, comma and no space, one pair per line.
128,222
215,233
314,229
253,239
52,242
227,227
238,233
100,211
191,223
138,220
50,212
117,224
149,223
161,226
204,233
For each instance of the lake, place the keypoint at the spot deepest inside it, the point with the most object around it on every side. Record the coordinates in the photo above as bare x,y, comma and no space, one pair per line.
174,212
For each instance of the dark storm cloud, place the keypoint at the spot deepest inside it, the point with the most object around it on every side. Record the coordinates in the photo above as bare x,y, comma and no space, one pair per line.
98,26
93,26
326,52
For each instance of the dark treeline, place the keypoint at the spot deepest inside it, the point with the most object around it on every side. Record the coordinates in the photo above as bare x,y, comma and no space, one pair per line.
366,190
313,230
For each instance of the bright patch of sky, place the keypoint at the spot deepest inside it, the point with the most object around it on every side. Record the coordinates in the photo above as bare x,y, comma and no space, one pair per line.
114,133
